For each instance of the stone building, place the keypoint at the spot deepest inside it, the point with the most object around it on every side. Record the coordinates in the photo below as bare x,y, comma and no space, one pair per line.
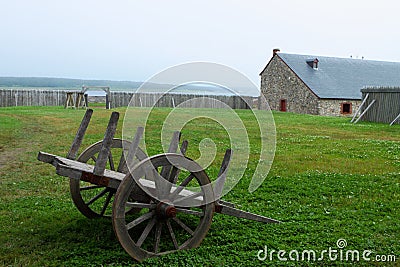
322,85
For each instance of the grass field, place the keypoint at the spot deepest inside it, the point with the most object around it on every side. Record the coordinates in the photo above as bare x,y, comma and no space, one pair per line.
330,180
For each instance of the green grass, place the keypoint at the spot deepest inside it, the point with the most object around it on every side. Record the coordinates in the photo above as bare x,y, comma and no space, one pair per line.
330,179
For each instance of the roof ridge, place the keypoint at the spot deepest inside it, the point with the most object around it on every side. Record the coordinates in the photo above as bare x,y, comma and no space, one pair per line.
332,57
342,78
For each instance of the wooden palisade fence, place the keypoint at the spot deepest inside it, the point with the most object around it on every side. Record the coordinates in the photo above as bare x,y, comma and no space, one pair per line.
46,97
380,104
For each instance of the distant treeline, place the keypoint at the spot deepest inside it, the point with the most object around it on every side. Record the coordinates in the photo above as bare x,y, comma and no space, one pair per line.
63,82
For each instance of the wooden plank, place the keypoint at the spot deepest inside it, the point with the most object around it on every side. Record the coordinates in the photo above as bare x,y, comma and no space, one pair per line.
73,151
219,185
225,162
225,203
360,107
362,114
243,214
76,170
173,146
46,157
106,146
175,171
130,158
398,116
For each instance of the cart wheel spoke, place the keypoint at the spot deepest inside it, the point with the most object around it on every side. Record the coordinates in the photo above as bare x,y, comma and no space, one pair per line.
99,195
158,236
182,186
146,232
107,202
90,187
189,197
82,193
111,160
140,205
174,175
184,226
167,226
156,179
190,212
171,233
122,163
139,220
162,185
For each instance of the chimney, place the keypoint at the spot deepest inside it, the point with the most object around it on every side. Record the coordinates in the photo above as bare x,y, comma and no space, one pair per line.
313,63
275,51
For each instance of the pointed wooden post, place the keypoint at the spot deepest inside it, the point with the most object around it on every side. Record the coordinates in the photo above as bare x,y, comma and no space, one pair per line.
73,152
106,146
130,157
219,185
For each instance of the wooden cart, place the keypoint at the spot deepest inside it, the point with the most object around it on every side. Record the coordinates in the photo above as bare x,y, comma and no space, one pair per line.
160,204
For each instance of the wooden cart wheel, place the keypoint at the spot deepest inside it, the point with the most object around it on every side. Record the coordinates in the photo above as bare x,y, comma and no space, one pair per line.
93,200
163,225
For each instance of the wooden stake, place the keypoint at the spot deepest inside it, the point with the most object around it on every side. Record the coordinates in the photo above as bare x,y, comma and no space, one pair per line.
130,157
73,152
106,146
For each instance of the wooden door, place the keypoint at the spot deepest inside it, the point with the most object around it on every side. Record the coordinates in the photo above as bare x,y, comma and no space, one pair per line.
282,106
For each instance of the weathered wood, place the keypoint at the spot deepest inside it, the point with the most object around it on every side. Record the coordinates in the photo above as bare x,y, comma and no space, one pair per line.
106,146
69,101
225,203
45,97
397,117
242,214
75,170
225,162
219,184
360,107
106,89
47,158
175,171
162,215
387,106
133,148
80,101
73,152
365,111
81,192
173,146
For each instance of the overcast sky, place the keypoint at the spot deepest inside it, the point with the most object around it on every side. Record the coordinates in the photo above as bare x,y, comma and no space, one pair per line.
133,40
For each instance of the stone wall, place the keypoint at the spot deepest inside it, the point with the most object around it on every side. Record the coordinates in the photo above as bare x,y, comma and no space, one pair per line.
334,107
279,82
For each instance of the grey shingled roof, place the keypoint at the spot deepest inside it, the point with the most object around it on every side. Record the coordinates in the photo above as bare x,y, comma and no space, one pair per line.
342,78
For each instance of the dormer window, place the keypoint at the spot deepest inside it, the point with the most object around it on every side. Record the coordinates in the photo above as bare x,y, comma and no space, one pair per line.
313,63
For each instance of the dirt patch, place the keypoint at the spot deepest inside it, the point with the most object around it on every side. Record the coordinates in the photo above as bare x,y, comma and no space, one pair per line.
9,155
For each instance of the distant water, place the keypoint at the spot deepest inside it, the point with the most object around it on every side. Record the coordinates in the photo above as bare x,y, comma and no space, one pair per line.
96,93
186,89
